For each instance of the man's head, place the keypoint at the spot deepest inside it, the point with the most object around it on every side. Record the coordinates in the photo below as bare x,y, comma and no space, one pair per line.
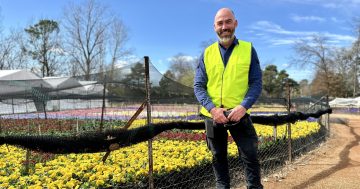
224,25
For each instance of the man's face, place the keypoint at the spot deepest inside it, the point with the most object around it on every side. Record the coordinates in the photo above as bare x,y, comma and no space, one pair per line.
225,25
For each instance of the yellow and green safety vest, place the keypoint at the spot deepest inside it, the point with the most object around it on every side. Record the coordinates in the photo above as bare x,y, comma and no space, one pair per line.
227,86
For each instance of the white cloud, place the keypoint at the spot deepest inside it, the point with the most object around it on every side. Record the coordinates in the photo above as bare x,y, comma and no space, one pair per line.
183,57
282,41
271,27
128,61
298,18
277,35
339,37
120,63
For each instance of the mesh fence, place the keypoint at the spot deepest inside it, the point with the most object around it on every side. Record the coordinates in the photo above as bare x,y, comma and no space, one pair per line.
69,106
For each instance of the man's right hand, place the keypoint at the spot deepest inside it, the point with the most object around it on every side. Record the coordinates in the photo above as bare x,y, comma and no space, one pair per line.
218,115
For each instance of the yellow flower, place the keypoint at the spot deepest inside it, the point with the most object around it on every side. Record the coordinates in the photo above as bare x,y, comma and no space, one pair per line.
4,185
87,175
14,176
2,173
71,183
35,187
99,182
92,177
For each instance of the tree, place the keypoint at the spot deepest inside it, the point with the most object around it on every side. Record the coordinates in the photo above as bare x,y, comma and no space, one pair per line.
93,34
356,61
166,83
315,53
274,82
43,45
280,84
344,70
132,85
12,52
320,88
269,80
183,68
86,29
304,88
295,91
118,37
136,79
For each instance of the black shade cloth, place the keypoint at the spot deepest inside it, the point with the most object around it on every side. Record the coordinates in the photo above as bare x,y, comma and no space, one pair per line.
91,142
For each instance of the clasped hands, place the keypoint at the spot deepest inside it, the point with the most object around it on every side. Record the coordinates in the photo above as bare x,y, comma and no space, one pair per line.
236,114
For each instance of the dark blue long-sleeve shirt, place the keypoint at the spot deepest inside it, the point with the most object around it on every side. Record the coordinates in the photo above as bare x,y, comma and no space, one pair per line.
255,79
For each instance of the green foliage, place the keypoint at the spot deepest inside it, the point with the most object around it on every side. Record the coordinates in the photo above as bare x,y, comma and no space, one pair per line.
166,83
137,76
42,44
183,69
274,82
269,79
132,86
42,29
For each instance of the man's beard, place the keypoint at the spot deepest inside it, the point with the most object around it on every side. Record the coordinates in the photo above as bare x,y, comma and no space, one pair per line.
226,39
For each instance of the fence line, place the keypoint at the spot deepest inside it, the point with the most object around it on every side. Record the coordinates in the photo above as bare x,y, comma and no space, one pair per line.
274,151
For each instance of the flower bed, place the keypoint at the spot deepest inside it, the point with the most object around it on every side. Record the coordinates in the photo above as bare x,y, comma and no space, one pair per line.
173,152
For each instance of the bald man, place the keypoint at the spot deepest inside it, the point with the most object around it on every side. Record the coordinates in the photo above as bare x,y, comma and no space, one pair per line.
227,83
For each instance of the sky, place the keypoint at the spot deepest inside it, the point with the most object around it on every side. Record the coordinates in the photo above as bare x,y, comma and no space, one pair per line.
162,29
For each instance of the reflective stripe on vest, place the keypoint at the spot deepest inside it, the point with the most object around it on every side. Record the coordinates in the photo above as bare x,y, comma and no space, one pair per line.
227,86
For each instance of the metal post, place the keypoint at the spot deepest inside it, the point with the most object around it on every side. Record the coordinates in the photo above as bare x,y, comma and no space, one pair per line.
147,85
26,104
289,124
275,132
327,116
355,75
103,106
27,157
59,106
0,125
44,102
12,105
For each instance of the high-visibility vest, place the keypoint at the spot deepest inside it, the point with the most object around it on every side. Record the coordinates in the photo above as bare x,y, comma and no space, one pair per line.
227,86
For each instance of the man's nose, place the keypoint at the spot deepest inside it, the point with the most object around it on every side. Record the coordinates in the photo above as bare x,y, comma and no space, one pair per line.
224,26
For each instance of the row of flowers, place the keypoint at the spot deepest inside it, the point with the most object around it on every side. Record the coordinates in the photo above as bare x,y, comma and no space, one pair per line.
299,129
125,112
122,113
54,126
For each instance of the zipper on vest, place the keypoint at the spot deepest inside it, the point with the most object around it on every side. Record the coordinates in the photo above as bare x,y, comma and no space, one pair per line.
221,89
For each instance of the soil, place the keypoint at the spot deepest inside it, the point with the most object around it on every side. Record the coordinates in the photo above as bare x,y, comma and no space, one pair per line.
334,165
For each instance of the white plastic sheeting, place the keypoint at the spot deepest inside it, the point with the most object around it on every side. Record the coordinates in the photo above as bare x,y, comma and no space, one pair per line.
21,91
62,82
345,102
17,75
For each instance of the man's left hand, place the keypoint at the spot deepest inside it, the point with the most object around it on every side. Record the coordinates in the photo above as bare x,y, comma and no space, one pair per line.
237,113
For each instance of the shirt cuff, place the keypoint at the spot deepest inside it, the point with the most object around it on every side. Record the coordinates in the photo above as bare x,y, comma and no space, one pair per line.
246,105
209,106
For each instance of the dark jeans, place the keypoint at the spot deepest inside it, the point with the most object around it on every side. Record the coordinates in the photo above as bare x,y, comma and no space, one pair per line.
245,137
